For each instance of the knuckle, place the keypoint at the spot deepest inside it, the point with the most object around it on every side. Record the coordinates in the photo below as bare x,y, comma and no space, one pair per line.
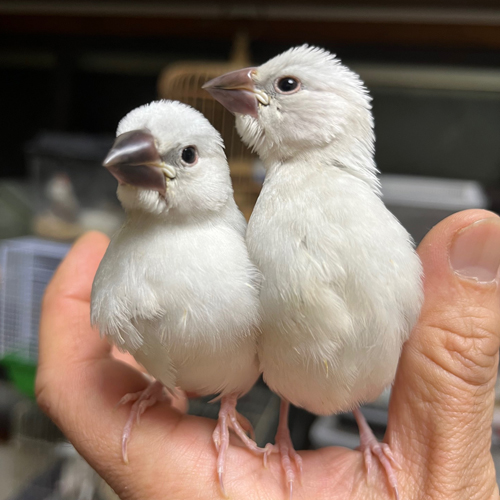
466,345
42,396
45,394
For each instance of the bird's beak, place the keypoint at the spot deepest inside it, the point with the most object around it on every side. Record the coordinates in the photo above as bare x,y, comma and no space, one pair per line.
236,91
134,160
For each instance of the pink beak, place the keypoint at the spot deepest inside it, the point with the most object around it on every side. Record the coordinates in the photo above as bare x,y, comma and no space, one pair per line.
235,91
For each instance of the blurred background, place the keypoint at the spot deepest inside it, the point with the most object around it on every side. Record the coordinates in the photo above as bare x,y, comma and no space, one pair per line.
70,70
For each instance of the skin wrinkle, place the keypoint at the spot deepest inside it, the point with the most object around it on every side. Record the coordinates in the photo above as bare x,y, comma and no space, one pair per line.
439,358
462,490
450,430
189,450
420,443
459,356
480,354
67,295
440,458
448,479
443,465
479,329
44,400
479,478
435,467
421,379
112,445
111,469
149,470
465,313
428,391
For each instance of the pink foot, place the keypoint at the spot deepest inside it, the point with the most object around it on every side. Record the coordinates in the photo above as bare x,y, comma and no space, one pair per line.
153,393
370,446
230,418
285,448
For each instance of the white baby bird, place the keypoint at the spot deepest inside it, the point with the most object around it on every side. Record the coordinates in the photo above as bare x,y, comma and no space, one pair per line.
342,282
176,287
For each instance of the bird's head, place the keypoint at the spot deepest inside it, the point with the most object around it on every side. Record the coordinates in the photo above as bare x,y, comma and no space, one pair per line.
299,100
167,157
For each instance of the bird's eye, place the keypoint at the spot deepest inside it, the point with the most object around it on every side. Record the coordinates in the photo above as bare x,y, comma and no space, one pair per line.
189,155
287,85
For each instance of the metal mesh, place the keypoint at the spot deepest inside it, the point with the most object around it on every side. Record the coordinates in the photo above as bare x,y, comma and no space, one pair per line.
26,266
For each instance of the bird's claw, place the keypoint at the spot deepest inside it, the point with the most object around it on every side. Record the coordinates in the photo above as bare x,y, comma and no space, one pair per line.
216,437
229,418
298,464
134,396
370,446
388,453
284,447
269,449
221,484
154,393
124,449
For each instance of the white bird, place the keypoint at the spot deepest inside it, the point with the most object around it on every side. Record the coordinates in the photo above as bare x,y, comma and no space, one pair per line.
342,284
176,287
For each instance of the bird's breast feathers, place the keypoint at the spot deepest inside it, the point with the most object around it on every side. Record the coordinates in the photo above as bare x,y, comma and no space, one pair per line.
184,286
341,290
329,246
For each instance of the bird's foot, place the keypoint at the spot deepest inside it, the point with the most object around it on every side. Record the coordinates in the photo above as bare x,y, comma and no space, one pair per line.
287,452
154,392
369,446
284,447
229,418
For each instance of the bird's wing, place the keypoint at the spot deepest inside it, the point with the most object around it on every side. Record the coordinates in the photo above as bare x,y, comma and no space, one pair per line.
134,327
122,298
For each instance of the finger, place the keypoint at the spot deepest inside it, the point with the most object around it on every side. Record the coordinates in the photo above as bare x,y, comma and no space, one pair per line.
65,337
443,396
65,332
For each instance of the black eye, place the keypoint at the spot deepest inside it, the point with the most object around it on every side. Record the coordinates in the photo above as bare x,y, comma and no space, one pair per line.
189,155
287,85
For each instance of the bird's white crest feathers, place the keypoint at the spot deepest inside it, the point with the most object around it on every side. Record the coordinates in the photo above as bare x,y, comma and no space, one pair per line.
330,115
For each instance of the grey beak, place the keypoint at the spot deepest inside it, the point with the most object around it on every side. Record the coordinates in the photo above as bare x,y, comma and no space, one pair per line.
235,91
134,160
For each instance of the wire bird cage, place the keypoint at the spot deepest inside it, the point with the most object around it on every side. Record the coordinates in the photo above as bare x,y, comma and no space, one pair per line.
26,267
183,81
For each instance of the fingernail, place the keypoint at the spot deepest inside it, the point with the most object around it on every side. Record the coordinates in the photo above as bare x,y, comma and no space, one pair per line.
475,251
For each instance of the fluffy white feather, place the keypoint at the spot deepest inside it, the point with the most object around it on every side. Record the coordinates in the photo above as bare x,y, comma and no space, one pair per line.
176,287
342,282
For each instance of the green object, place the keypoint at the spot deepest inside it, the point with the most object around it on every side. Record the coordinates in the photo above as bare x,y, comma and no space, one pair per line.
21,372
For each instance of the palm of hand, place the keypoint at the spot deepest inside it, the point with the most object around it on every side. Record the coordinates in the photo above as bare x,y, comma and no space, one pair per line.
439,419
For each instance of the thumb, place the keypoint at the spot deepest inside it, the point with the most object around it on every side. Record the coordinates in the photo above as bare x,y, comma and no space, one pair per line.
442,405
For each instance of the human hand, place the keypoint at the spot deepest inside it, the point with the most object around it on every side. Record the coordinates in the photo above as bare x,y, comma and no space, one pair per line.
439,417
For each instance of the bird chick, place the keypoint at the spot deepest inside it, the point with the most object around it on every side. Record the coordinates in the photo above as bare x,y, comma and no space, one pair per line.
176,287
342,284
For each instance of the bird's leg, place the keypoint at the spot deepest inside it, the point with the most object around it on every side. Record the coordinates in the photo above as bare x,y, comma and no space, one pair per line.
285,448
229,418
369,445
153,393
